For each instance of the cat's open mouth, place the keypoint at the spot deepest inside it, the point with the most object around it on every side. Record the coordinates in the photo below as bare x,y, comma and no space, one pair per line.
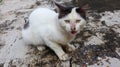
73,32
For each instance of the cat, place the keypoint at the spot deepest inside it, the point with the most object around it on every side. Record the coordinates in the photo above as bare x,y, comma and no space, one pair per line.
54,29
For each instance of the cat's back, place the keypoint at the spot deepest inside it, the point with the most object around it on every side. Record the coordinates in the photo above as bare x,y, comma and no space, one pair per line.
41,21
42,16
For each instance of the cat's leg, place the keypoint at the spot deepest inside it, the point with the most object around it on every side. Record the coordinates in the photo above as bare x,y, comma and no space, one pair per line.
58,50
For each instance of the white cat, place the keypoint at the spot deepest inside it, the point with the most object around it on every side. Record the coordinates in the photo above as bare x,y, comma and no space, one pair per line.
46,27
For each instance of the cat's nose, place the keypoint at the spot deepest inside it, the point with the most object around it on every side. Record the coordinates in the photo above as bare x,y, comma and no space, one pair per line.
73,28
72,25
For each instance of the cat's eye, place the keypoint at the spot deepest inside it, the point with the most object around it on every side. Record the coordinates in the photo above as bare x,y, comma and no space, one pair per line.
77,21
67,21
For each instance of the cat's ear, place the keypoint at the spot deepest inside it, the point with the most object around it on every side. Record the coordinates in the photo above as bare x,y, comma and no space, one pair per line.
85,7
82,10
60,7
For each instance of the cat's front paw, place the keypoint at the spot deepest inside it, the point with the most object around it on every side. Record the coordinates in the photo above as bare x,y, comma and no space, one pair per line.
41,48
69,48
64,57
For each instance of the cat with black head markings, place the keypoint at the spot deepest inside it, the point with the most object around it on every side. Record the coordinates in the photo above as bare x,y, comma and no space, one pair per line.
54,30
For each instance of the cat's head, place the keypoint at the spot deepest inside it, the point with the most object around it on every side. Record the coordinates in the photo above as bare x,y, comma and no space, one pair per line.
72,19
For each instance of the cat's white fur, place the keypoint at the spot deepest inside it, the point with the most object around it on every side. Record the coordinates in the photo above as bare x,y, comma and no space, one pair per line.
46,29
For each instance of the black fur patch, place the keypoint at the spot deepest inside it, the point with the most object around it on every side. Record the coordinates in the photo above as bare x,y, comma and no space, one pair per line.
64,12
68,10
81,12
26,25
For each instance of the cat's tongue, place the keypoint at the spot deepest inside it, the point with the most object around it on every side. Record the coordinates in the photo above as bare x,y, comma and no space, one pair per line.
73,32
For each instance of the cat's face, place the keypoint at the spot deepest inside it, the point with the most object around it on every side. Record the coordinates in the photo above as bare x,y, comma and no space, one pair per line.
72,19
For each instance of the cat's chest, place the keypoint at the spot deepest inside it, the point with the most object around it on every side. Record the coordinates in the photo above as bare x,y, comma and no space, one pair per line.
62,38
57,35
